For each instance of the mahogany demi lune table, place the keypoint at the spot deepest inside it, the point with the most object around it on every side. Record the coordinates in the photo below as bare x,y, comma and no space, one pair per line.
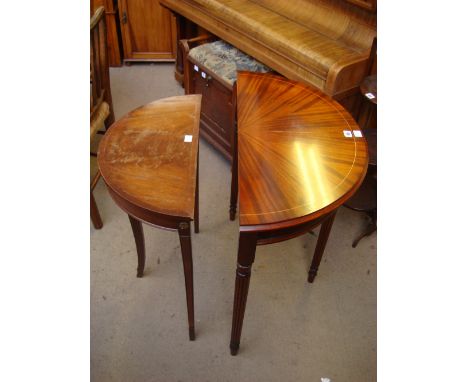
149,162
300,156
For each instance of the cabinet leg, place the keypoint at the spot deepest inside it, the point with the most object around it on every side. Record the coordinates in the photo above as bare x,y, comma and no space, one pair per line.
245,259
320,247
186,247
137,228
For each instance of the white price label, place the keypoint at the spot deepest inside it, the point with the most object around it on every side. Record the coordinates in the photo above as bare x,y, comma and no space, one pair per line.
370,95
203,74
188,138
347,133
357,133
195,67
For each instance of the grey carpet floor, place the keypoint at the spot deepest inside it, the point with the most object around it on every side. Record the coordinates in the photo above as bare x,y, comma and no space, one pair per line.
293,330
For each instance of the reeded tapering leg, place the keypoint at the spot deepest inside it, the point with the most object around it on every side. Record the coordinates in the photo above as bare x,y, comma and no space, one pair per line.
137,228
196,217
186,247
245,259
95,217
320,247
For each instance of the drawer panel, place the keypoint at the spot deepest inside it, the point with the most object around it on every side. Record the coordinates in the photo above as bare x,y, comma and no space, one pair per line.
216,106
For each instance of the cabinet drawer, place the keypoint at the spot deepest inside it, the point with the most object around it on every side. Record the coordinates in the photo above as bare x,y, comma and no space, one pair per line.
216,109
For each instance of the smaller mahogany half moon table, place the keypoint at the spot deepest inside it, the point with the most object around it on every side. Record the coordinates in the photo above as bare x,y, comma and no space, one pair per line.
300,156
149,162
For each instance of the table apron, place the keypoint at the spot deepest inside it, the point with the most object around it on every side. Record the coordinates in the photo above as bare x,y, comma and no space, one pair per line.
167,222
282,234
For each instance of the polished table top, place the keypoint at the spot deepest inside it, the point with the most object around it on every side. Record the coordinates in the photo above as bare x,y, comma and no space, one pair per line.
300,153
149,157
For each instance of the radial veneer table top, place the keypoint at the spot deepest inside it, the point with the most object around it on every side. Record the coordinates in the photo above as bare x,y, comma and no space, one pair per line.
295,161
149,157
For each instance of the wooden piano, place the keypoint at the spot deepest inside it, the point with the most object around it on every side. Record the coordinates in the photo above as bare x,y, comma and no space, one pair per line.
327,44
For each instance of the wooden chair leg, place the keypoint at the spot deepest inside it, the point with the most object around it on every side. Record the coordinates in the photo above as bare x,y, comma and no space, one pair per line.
111,118
186,247
95,216
137,228
320,247
245,259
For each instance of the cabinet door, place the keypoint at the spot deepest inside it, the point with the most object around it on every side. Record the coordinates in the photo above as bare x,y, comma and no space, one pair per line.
148,30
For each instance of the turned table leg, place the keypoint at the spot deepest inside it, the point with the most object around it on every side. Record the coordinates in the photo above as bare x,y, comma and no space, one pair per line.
186,247
245,259
137,228
320,247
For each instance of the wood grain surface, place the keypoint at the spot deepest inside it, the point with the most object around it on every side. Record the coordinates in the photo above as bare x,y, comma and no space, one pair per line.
295,163
148,30
322,43
145,159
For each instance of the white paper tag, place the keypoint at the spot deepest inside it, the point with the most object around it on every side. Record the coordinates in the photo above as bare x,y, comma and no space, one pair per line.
325,379
370,95
347,133
195,67
188,138
357,133
203,74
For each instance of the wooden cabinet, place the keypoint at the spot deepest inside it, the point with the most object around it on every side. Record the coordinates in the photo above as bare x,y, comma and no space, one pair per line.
148,31
217,111
218,105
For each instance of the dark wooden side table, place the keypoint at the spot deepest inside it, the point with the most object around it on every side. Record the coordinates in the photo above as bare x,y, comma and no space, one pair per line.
149,162
300,157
